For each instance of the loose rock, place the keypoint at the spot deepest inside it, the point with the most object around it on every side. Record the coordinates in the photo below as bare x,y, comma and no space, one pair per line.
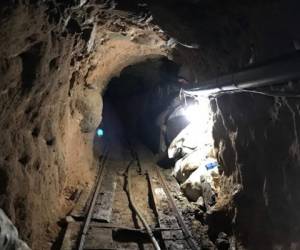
9,236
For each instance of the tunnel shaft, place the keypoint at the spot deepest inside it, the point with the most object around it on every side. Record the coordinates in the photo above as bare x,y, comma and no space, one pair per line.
132,70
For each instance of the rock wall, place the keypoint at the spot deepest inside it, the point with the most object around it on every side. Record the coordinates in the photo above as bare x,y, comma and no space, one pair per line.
55,60
257,143
9,237
216,37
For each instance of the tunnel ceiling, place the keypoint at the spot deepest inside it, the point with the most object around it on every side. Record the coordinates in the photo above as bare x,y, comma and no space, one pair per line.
216,37
228,35
142,77
211,37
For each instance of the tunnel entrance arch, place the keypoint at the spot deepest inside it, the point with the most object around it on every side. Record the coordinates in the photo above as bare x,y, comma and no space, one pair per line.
134,102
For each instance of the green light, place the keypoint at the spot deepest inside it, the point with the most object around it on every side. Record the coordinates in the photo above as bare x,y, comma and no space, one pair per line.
100,132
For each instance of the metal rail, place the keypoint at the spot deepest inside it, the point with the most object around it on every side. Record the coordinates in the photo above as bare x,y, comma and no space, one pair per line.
93,202
147,229
177,214
132,202
139,214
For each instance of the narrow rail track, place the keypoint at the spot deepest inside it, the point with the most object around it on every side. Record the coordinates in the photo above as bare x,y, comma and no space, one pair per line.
192,244
167,230
93,202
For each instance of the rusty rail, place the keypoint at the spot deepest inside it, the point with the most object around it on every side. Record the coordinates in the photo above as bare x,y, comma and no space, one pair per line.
93,202
139,214
177,214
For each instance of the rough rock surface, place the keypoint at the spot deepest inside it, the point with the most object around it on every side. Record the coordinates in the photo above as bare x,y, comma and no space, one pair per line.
55,60
227,36
185,166
9,237
56,57
184,143
257,141
196,184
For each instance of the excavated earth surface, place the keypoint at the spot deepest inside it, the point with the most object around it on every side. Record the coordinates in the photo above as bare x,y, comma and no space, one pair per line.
56,58
53,69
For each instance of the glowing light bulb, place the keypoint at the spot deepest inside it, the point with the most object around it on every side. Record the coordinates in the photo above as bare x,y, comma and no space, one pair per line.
100,132
192,113
198,113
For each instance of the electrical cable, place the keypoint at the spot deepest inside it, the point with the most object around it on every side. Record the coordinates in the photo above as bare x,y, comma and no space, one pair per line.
139,214
269,94
239,90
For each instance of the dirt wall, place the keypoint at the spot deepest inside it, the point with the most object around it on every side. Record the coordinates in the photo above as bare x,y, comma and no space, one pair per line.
55,60
257,142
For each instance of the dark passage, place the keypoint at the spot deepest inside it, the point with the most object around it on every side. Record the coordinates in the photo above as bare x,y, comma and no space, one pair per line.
134,102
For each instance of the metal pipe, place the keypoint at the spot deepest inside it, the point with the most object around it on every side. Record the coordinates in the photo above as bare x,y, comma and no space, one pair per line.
279,71
139,214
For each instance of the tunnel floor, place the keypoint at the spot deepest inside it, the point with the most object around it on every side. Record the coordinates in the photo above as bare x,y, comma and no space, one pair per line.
114,223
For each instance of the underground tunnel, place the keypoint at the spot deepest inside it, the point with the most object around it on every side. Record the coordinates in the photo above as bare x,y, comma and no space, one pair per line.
149,124
133,102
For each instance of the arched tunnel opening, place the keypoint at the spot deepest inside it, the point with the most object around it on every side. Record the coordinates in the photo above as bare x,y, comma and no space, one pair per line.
135,106
147,121
136,98
149,125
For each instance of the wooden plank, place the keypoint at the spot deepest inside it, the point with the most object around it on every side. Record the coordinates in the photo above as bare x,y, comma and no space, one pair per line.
99,238
79,209
105,199
71,236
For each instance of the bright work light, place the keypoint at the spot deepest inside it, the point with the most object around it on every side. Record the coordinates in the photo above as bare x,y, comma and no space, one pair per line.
198,112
